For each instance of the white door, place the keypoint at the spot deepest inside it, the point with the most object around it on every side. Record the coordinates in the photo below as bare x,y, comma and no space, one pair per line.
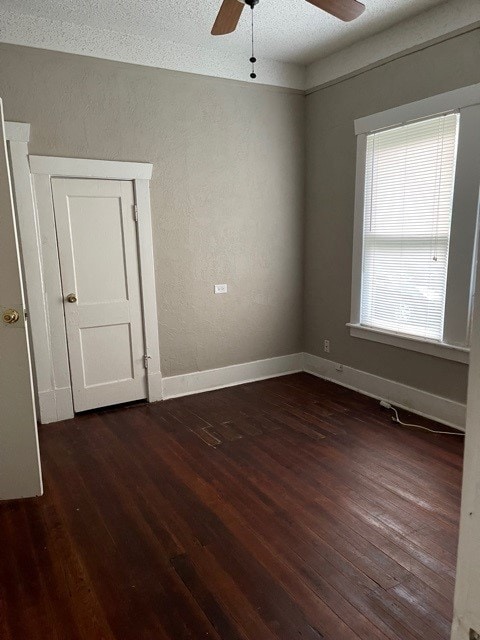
97,243
19,457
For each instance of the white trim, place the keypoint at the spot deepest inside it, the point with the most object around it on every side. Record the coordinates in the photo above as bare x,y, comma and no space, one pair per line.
357,257
464,219
85,168
440,103
29,242
147,280
422,403
438,349
51,365
466,614
32,268
41,260
55,404
463,234
17,131
436,25
200,381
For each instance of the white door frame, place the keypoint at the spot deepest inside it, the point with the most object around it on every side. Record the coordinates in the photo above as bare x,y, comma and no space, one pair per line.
42,273
17,136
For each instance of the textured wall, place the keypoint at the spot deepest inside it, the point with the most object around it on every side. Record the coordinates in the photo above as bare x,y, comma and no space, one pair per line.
227,190
331,149
227,195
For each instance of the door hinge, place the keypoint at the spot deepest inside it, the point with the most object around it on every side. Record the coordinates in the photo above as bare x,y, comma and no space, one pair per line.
146,358
135,212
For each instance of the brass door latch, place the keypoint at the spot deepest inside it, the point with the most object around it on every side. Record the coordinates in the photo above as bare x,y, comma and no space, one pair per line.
10,316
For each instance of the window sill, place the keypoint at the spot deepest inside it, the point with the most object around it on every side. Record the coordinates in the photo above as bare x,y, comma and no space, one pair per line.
430,347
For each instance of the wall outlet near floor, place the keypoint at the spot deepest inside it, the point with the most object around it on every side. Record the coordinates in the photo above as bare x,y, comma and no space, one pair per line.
326,346
220,288
474,635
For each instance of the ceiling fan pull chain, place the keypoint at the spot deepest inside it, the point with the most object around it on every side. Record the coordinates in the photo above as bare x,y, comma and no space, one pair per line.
253,75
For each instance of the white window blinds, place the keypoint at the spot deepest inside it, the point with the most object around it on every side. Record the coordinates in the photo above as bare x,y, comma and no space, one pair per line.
409,181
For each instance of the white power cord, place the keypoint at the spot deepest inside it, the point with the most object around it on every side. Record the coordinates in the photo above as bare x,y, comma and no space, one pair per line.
387,405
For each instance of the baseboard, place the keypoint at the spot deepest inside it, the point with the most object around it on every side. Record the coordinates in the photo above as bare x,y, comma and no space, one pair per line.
47,411
55,405
422,403
199,381
155,386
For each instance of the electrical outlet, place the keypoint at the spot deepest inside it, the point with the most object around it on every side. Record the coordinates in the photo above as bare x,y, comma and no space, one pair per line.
326,346
474,635
220,288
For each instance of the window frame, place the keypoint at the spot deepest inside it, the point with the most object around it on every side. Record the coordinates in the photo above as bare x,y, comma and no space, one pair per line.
464,229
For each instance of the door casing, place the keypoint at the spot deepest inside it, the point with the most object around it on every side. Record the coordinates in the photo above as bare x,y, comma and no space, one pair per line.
52,373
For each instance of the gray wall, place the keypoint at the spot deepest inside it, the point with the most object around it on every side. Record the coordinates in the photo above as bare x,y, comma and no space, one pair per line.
227,190
330,206
228,195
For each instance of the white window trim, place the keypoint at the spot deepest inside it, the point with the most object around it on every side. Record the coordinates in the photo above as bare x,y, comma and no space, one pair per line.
430,347
464,231
42,274
435,105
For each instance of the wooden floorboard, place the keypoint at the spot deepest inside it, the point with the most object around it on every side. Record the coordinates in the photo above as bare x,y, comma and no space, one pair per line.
279,510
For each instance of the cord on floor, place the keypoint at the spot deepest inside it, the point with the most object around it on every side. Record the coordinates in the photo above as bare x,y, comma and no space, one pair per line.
396,418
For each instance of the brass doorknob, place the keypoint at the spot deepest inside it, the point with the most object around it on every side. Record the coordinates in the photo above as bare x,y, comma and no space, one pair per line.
71,297
10,316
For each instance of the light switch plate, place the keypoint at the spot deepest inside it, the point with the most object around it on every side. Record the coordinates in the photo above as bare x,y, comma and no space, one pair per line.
220,288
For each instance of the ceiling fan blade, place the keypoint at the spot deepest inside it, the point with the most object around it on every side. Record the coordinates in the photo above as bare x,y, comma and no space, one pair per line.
346,10
228,17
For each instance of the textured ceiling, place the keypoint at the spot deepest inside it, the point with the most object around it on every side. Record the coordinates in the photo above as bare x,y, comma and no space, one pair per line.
292,31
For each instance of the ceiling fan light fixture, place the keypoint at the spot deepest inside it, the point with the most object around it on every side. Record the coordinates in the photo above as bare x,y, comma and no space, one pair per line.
231,10
252,4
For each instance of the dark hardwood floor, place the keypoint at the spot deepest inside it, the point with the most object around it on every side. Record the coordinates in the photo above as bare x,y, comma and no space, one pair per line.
288,509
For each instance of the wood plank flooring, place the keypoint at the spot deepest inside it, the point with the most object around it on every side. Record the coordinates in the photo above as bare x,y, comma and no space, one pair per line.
288,509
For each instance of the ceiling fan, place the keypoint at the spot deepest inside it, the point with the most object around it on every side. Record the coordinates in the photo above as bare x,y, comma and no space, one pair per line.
231,10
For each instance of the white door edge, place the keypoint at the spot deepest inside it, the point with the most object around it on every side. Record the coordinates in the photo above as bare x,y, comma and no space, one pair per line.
20,469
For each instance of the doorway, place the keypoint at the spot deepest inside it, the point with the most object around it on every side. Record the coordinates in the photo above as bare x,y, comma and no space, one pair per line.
98,309
100,276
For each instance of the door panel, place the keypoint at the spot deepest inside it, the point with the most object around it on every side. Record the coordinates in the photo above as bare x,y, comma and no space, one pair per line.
19,456
108,265
97,340
98,252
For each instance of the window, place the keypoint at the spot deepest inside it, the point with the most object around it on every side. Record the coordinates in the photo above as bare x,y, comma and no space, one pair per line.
409,180
416,203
